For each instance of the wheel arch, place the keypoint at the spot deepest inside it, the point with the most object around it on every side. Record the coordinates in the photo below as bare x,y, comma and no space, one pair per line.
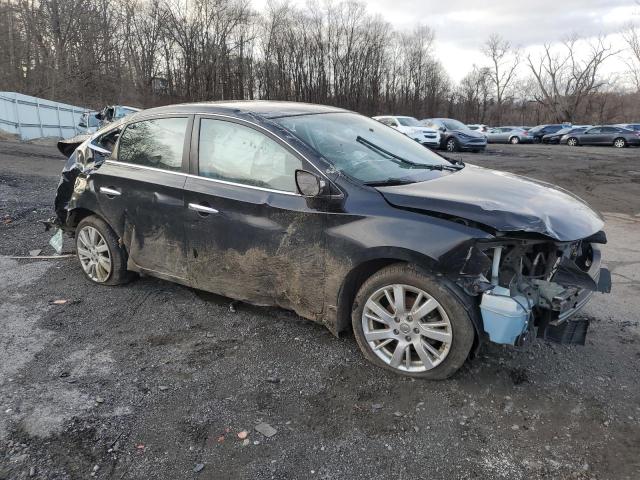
375,260
360,272
75,216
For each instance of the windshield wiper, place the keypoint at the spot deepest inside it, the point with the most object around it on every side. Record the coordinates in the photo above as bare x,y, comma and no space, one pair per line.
379,149
389,182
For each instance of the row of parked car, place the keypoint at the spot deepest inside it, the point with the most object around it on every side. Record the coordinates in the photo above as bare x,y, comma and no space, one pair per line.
620,135
453,135
437,133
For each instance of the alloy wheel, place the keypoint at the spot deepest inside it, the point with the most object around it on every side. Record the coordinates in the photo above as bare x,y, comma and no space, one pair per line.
515,140
406,328
572,142
619,143
451,145
93,253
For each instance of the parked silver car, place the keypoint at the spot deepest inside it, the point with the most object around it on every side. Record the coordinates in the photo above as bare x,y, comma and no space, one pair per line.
512,135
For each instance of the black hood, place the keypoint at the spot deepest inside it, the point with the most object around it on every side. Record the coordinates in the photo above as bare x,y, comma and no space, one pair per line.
501,200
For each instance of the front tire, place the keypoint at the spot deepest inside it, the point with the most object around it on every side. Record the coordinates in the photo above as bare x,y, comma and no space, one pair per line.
514,140
572,142
102,259
412,323
619,143
452,145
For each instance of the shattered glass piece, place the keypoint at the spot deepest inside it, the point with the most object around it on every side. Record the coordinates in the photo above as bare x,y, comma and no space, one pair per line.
56,241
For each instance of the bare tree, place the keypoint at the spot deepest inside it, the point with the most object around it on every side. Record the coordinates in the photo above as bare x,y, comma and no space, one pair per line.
504,62
631,35
567,76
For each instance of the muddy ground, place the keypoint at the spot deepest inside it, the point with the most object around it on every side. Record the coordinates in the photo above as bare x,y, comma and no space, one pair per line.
155,381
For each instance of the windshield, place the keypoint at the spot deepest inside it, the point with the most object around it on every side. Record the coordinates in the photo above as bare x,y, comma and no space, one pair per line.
453,124
408,122
363,148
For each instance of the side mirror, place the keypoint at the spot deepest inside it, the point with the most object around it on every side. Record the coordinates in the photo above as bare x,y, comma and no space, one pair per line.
100,150
442,129
308,183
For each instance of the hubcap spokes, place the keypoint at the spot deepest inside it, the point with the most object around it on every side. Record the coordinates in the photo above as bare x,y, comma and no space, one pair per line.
406,328
93,254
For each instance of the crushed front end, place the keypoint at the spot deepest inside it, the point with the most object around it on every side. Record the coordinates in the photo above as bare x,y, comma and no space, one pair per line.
530,287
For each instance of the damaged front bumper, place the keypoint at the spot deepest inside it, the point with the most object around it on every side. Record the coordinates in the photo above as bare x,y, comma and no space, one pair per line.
535,288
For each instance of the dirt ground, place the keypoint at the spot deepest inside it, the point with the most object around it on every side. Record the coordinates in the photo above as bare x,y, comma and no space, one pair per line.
155,381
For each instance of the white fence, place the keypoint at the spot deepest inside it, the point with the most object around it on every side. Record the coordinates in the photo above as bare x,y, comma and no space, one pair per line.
33,117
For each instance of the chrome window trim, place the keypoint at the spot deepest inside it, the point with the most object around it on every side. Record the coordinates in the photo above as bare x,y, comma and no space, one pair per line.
144,167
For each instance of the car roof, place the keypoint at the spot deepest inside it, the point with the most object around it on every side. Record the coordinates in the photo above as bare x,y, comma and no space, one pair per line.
262,108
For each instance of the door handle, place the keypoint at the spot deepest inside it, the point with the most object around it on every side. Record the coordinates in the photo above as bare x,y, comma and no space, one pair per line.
202,209
110,192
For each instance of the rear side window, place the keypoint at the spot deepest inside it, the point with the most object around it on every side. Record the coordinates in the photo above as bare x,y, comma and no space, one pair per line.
236,153
154,143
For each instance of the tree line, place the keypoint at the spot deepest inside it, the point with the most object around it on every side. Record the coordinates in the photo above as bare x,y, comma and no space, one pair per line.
152,52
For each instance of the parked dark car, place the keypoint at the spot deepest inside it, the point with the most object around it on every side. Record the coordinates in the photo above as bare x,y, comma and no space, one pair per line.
536,133
554,138
603,135
455,136
346,221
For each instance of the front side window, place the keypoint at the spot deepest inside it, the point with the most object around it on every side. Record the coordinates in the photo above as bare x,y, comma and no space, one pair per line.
454,124
237,153
362,148
154,143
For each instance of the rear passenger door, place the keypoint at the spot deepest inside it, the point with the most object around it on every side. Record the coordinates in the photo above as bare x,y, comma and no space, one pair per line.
608,135
251,235
145,177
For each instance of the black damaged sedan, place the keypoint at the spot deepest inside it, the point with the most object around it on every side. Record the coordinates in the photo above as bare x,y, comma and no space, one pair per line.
331,214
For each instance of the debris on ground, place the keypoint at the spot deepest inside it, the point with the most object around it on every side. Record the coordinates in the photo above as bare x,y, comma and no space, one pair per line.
56,241
243,434
198,468
61,301
35,253
266,429
233,306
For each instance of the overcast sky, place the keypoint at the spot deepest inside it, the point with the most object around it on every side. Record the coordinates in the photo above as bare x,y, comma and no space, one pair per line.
462,26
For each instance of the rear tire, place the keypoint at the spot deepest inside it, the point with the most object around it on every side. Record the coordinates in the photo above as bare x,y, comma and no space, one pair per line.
430,318
619,143
101,257
514,140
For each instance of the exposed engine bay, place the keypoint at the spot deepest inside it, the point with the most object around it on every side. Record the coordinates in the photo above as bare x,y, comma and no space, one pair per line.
531,287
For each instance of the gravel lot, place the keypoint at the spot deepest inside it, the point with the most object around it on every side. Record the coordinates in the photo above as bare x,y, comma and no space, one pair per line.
156,381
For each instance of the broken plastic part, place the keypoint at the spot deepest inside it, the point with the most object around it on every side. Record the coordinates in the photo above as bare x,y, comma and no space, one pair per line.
505,317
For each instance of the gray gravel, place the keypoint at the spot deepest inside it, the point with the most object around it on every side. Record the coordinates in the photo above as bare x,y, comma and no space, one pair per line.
155,381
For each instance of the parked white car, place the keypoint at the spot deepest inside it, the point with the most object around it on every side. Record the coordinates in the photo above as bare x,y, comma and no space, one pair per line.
429,137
